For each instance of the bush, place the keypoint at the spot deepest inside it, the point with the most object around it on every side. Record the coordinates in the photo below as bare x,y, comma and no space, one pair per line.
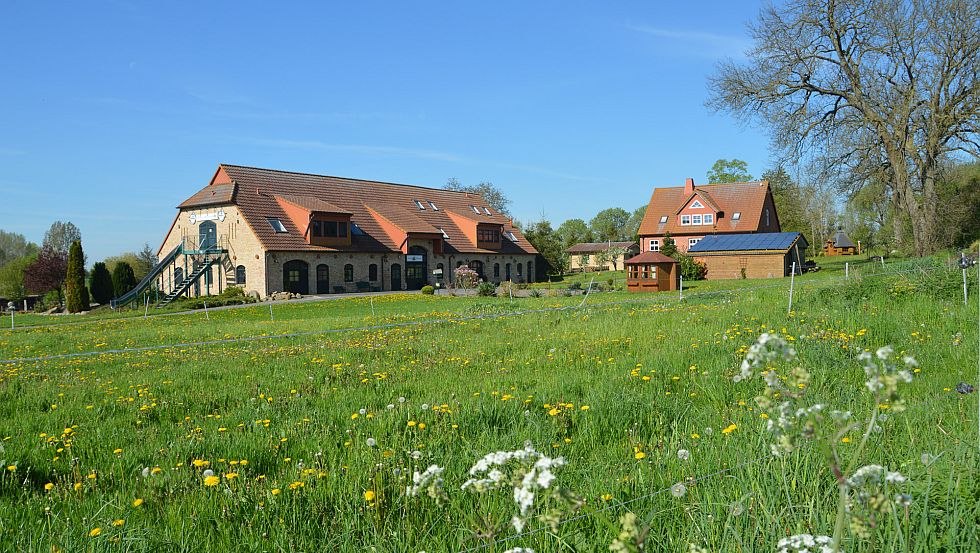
486,289
535,293
76,296
575,286
428,290
465,277
692,269
123,278
232,292
100,283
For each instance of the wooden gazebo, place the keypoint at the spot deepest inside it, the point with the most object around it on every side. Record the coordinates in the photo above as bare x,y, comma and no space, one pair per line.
652,272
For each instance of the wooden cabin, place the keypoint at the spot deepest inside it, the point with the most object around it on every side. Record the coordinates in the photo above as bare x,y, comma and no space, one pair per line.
840,244
652,272
764,255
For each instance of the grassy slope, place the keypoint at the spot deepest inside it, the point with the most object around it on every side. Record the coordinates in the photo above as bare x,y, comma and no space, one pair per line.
287,406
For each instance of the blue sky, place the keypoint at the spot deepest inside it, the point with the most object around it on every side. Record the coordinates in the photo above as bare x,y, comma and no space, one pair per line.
112,113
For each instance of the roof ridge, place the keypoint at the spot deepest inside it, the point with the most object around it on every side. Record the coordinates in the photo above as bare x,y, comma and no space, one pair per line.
343,178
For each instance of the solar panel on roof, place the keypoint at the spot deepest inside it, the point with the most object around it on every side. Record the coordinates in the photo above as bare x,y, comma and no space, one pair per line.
763,241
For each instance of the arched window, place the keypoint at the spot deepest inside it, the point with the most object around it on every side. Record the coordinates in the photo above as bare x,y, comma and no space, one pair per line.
507,271
373,272
530,272
459,264
496,270
520,269
240,274
348,273
477,266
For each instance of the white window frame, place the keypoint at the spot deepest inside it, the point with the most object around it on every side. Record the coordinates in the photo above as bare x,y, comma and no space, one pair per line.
736,216
433,206
418,203
654,245
663,219
696,219
277,225
487,211
697,205
692,241
475,209
688,217
709,218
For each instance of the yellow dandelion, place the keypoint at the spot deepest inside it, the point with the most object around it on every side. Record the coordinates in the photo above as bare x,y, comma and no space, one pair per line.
845,440
231,475
276,491
421,426
584,408
118,522
48,487
639,455
77,486
369,495
211,481
94,532
296,485
117,451
729,429
137,502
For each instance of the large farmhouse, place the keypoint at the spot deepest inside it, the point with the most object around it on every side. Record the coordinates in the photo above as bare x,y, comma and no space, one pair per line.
269,231
689,213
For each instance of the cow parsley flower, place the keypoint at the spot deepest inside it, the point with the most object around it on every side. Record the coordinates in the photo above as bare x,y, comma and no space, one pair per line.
805,543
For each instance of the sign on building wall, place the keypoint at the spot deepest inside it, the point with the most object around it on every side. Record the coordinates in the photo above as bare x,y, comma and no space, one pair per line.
414,258
215,216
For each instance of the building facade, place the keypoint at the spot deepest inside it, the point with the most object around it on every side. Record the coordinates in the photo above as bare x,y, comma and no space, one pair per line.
600,256
269,231
760,255
689,213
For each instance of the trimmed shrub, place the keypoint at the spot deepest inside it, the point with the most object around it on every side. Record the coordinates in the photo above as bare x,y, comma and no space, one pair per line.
76,295
692,269
123,279
428,290
486,289
100,283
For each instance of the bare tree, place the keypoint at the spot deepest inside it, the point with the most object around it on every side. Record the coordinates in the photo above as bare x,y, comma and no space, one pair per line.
875,85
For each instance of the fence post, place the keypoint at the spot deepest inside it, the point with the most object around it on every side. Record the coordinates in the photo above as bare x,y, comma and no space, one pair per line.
271,316
682,284
792,278
964,286
206,316
847,270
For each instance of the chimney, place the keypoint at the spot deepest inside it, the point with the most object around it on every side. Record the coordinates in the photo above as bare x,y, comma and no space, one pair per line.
689,186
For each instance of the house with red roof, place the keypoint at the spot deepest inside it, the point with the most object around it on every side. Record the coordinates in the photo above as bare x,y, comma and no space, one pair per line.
267,231
689,213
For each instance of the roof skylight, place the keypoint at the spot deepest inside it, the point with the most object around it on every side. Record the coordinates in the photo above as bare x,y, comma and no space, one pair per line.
276,225
736,216
433,206
663,219
487,211
419,204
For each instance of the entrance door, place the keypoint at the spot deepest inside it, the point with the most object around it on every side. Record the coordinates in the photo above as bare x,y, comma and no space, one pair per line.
207,236
296,277
322,279
415,268
396,276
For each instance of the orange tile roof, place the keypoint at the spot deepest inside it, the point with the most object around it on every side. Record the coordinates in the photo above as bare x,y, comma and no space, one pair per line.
254,192
747,198
589,247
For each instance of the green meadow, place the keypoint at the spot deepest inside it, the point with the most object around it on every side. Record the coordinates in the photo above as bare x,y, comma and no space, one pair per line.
301,429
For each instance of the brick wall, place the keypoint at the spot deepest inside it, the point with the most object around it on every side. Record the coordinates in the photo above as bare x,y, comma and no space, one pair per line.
729,266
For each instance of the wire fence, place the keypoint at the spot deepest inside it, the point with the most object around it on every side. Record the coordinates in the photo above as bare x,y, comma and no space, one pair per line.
659,300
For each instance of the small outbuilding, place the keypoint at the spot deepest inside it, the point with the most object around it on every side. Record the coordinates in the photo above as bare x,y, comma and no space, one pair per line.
600,256
652,272
763,255
840,244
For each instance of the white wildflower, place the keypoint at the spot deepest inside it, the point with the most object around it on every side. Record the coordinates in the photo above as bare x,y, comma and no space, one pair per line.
401,399
362,411
145,472
678,490
207,473
391,406
429,482
371,442
520,550
805,543
425,406
683,454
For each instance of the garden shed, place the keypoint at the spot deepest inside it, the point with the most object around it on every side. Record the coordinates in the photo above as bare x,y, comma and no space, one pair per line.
652,272
840,244
763,255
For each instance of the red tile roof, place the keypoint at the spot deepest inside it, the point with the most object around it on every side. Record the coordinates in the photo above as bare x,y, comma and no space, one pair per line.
314,204
747,198
650,257
253,190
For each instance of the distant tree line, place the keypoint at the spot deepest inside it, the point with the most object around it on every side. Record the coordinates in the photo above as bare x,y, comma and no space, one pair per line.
56,269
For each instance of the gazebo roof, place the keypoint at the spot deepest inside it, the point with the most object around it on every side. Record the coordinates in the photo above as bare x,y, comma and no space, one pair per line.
646,258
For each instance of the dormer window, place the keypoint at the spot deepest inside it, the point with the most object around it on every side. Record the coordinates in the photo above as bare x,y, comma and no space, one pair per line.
663,219
276,225
475,209
696,219
487,211
419,205
685,220
736,216
433,206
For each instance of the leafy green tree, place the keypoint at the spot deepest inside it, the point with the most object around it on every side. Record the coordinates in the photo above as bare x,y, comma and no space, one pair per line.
610,224
633,225
12,277
46,272
100,283
959,192
729,170
494,197
123,278
545,240
14,246
789,202
76,295
60,236
669,248
573,231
